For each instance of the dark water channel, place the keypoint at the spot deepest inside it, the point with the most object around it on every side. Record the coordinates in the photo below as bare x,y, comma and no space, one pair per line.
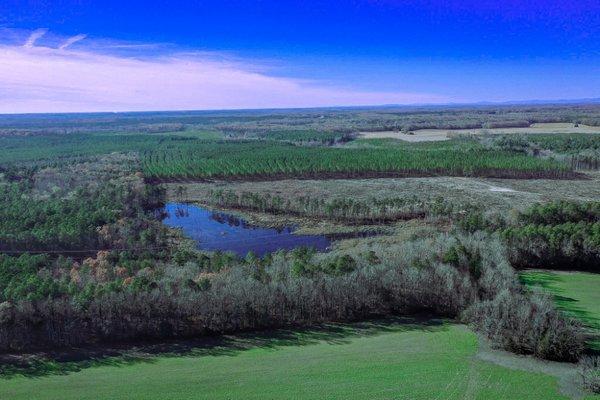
213,230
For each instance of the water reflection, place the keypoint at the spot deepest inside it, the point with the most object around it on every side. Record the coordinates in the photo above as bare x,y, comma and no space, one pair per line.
221,231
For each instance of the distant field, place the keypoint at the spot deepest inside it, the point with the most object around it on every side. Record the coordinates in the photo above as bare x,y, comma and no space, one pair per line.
421,135
577,293
425,135
361,361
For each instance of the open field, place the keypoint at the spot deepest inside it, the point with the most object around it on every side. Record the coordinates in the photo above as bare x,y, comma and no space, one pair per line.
426,135
421,135
577,293
493,194
375,360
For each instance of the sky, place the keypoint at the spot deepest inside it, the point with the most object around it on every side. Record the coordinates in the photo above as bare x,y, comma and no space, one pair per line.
81,56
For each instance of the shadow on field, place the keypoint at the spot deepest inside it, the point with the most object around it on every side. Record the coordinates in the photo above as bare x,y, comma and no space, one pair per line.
63,362
547,281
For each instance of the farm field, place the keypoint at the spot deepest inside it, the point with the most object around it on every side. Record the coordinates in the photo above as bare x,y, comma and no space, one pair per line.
429,135
420,135
577,293
375,360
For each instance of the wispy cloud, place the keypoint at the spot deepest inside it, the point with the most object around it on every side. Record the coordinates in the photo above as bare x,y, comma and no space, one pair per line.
35,35
72,40
43,79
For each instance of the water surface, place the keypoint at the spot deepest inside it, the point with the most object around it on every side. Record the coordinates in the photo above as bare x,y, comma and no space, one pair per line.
213,230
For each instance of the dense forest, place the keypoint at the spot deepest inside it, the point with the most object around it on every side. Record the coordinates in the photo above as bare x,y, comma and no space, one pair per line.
268,160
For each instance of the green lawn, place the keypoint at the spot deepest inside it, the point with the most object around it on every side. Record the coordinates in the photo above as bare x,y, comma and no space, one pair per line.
376,360
577,293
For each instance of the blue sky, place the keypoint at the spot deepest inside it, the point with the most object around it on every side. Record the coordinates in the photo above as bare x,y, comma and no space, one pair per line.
285,53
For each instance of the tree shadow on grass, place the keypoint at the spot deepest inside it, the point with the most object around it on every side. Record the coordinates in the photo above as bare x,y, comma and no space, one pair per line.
548,282
66,361
545,280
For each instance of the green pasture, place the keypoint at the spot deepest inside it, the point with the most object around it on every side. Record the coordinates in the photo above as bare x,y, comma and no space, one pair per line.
395,359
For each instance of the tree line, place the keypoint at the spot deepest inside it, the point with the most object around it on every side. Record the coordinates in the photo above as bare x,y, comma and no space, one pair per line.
558,235
348,210
465,277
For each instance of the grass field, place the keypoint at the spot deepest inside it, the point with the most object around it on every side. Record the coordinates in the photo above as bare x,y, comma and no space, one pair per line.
375,360
577,293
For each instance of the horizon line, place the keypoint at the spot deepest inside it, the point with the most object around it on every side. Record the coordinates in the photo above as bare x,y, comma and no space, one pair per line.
482,103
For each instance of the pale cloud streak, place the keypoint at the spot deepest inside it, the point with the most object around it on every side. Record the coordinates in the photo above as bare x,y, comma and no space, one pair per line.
35,35
72,40
42,79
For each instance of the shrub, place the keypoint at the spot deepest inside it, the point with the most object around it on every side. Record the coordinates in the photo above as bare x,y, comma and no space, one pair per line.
528,325
589,368
340,265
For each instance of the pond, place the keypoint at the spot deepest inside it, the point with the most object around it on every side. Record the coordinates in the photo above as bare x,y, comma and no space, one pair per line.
213,230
